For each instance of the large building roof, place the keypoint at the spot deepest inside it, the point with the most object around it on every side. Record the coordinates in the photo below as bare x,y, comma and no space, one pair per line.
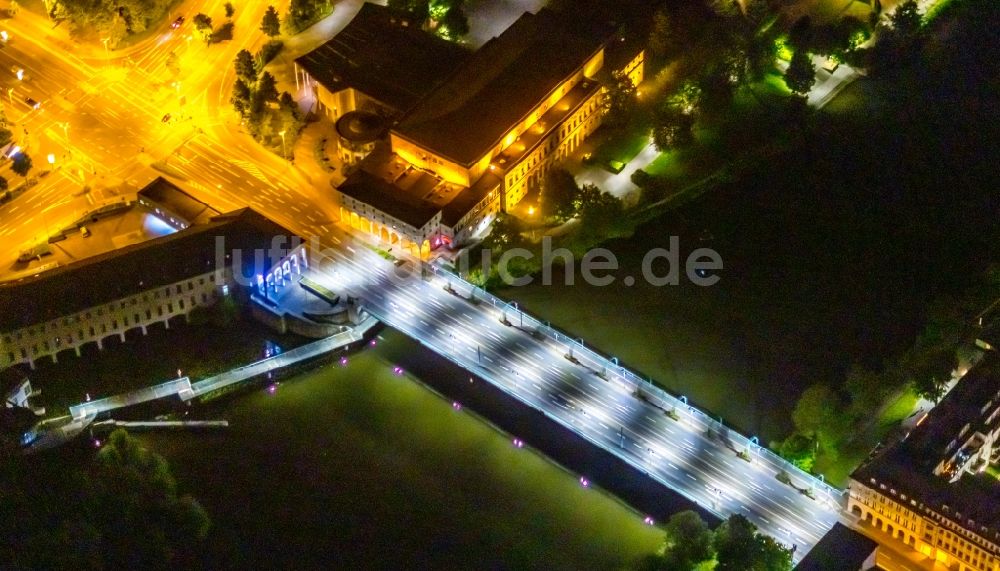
383,195
497,87
907,468
385,55
132,269
163,192
841,549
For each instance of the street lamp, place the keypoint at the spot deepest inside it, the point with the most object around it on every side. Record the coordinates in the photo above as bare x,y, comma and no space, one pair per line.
283,153
10,95
65,128
105,41
51,158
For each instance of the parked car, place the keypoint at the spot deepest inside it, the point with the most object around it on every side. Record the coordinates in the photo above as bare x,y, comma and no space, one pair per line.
32,103
166,118
177,23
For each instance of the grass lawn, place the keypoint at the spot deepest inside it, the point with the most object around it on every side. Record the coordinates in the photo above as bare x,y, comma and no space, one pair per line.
621,144
836,470
354,467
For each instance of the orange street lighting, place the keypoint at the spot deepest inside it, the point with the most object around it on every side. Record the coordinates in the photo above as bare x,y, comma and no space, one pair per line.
531,210
51,158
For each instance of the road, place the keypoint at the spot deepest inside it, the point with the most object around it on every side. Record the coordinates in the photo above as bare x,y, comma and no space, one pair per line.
101,118
587,396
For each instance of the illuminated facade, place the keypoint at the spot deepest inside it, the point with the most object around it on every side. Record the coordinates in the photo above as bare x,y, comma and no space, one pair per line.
485,136
931,491
134,287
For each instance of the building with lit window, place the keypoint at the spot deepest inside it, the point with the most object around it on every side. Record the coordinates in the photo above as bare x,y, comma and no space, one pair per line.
135,287
485,134
937,490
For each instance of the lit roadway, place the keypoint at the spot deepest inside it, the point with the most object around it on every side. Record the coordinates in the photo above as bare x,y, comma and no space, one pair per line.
101,118
536,370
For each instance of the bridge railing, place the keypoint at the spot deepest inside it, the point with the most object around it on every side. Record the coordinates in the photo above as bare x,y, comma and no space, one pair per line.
631,381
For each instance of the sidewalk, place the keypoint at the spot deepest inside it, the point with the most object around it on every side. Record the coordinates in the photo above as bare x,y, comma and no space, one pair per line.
310,161
620,184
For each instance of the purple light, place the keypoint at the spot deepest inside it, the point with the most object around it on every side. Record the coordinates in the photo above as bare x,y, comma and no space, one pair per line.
97,443
518,443
648,521
343,361
397,370
272,389
456,405
372,342
584,482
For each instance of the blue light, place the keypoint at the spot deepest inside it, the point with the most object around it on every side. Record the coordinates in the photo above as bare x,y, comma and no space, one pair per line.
157,227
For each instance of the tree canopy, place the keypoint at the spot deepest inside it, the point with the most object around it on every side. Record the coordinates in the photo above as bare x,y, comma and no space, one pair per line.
740,547
270,24
559,190
22,164
801,74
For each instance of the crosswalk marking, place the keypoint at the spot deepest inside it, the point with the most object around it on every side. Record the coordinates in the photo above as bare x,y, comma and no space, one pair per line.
251,168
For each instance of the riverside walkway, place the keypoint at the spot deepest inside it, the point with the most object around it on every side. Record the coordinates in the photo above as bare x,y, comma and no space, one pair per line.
186,390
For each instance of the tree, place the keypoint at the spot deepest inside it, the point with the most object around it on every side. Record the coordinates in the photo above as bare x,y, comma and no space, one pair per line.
558,191
867,390
270,24
505,233
300,14
619,100
800,450
662,39
241,97
686,98
801,74
455,23
203,24
819,413
599,211
5,137
673,129
267,87
245,68
725,8
739,547
3,184
289,110
688,542
230,10
116,32
22,164
419,9
906,19
141,521
931,372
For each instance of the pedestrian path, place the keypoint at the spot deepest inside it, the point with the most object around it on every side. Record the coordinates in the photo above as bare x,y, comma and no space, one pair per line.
186,390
